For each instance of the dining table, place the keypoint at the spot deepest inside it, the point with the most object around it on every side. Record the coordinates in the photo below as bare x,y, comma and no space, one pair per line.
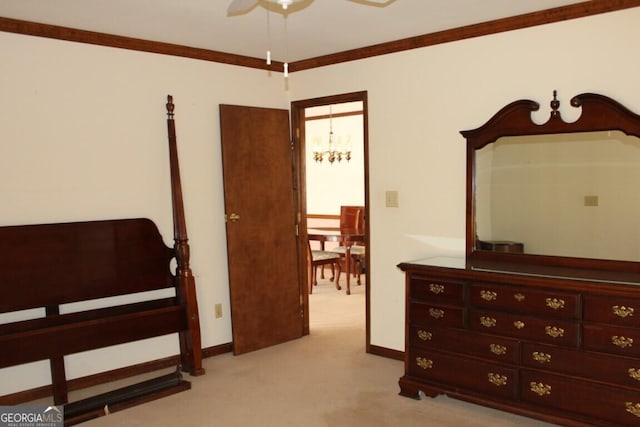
346,238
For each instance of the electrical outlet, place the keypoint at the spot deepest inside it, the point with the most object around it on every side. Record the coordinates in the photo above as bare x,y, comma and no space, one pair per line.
218,310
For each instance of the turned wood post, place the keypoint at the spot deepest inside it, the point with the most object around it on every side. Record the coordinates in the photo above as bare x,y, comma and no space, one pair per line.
190,343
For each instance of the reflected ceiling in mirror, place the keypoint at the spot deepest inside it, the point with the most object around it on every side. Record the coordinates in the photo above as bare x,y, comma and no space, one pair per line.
568,195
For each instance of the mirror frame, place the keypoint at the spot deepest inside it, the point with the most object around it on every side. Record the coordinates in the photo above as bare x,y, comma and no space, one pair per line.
599,113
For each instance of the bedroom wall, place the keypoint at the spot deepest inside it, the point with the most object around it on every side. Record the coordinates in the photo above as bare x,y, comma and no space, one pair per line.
419,100
84,137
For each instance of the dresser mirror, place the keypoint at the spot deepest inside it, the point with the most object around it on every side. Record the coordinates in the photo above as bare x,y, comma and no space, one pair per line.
558,193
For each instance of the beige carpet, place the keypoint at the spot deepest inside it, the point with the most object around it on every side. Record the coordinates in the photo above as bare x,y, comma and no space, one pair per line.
325,379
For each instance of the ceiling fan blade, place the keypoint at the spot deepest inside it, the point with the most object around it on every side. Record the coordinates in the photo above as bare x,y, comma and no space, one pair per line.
238,7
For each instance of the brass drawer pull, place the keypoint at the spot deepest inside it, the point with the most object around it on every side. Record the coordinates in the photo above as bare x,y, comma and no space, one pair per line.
622,311
634,373
487,322
633,408
554,331
555,303
497,349
518,324
540,389
436,288
541,357
424,335
497,379
622,342
436,313
424,363
488,295
519,297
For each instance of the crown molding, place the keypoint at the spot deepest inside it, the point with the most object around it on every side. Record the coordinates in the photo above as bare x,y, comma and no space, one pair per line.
109,40
563,13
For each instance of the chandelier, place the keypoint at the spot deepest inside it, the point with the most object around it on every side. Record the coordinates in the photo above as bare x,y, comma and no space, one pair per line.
334,149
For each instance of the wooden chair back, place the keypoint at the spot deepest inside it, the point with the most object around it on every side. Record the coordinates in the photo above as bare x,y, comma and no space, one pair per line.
352,219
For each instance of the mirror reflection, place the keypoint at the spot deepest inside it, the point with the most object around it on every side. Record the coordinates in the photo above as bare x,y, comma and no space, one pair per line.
571,195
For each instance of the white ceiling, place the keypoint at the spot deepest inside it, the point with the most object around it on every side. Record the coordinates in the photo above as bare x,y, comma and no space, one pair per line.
321,28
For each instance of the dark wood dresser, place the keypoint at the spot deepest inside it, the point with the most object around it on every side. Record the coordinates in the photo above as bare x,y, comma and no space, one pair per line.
558,347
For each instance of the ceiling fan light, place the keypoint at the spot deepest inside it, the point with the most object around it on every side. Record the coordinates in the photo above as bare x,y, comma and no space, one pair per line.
284,3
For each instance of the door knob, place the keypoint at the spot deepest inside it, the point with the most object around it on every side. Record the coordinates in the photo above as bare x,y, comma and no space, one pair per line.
234,217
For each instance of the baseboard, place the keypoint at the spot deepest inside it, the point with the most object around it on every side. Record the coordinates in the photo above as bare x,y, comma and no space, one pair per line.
108,376
386,352
217,350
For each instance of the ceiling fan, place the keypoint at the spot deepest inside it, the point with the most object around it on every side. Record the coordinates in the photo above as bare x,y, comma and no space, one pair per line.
238,7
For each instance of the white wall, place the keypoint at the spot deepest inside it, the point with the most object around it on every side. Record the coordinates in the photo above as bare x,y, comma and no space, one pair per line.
419,100
84,137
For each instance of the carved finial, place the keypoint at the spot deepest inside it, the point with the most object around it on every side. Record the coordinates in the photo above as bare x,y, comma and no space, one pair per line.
555,104
170,107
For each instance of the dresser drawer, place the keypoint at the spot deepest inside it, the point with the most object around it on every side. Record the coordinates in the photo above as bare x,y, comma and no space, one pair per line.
436,314
613,310
619,406
460,372
555,331
466,342
524,300
431,289
596,366
612,339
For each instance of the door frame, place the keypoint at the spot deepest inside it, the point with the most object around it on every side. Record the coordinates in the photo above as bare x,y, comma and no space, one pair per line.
298,138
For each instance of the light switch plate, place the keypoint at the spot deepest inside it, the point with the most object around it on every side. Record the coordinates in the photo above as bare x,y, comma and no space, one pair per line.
391,199
591,200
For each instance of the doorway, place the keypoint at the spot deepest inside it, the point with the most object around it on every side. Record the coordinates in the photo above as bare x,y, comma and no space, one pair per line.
327,111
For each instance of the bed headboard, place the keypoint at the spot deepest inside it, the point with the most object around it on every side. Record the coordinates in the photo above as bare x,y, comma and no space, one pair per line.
51,264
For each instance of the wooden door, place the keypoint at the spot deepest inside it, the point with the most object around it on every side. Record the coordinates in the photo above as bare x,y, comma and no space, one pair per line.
260,207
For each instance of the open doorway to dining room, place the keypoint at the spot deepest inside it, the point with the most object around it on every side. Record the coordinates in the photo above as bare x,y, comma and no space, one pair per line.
334,174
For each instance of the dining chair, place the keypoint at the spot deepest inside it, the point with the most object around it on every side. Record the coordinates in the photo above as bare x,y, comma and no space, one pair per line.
321,258
352,222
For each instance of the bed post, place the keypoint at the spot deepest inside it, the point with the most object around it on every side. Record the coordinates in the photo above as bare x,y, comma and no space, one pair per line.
190,344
